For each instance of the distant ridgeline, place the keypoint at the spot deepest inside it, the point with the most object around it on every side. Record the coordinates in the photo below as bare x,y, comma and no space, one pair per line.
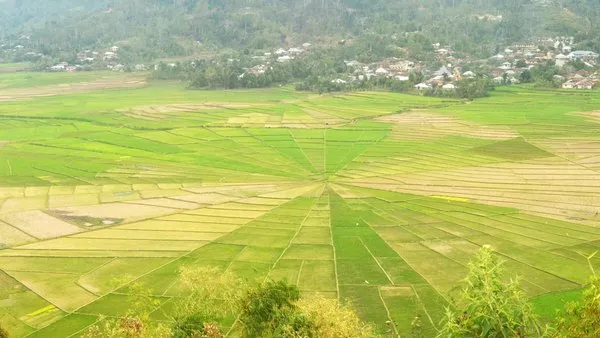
151,29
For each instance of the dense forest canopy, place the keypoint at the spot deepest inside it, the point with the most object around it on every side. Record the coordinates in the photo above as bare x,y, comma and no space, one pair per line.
165,28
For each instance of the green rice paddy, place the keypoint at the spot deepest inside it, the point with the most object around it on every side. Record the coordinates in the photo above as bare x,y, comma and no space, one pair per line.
378,199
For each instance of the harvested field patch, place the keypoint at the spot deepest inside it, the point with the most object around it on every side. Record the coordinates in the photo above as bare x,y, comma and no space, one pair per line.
10,236
70,243
209,198
167,225
39,224
167,203
158,112
19,94
123,211
426,125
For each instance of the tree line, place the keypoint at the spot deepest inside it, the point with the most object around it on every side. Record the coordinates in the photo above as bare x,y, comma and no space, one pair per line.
321,70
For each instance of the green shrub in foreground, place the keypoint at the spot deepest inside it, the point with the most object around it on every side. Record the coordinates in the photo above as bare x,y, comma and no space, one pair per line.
490,307
3,332
582,319
270,311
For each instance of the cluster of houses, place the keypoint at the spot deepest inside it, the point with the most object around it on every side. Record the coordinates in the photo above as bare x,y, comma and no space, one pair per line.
91,56
559,50
88,58
280,55
505,67
395,68
581,80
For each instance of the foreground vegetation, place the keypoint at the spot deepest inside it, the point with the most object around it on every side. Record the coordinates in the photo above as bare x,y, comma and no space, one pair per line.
370,201
489,307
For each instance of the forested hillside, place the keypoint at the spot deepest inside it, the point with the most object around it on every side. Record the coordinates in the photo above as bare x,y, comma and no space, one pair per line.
160,28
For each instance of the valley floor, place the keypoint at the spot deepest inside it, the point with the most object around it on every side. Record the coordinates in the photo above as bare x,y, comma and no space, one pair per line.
379,199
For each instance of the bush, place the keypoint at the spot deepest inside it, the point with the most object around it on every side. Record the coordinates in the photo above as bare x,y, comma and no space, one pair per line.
490,307
3,332
136,323
332,320
582,319
210,292
270,311
192,326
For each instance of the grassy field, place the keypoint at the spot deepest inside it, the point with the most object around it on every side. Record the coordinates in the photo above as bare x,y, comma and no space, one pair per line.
379,199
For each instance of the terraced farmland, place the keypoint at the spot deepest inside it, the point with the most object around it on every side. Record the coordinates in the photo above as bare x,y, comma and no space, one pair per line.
375,198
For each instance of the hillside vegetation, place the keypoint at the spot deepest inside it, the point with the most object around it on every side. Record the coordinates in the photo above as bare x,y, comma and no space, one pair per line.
161,28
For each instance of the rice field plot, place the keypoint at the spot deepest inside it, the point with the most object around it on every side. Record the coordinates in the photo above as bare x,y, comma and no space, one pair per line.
377,199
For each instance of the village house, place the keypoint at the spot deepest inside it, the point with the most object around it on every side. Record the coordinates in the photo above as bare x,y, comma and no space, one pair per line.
285,58
585,84
448,86
422,86
402,66
58,68
295,50
525,48
469,75
381,71
443,72
256,70
498,80
110,56
569,85
560,60
583,55
353,64
489,17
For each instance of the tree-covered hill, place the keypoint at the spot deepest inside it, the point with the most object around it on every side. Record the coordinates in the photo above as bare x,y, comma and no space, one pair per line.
159,28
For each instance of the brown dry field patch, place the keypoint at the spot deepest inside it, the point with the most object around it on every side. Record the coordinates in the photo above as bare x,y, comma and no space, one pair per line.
167,203
10,235
12,69
424,125
72,88
323,116
206,198
565,191
582,151
590,115
158,112
241,190
40,225
123,211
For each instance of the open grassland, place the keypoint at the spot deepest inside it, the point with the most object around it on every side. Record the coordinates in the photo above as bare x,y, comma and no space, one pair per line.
379,199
